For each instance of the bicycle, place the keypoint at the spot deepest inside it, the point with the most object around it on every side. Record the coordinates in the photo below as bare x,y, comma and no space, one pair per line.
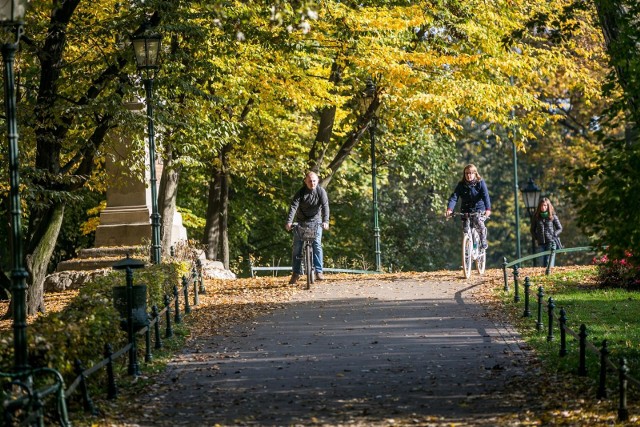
307,233
471,246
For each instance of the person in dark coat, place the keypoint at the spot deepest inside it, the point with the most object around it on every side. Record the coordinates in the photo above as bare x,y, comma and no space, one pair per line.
474,197
310,205
545,228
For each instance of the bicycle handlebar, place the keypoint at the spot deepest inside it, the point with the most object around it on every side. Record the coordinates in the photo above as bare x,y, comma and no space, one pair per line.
466,215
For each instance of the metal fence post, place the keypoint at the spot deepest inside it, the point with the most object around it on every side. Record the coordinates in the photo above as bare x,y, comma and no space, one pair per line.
504,272
582,368
539,323
167,305
551,305
176,296
185,289
147,345
156,326
112,388
623,412
88,403
563,332
527,286
203,290
194,277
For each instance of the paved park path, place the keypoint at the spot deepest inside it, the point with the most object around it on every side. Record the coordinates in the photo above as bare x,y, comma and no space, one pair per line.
370,352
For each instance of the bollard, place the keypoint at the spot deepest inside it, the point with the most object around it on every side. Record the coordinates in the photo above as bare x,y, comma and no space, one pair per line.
84,390
602,386
128,264
156,326
112,388
185,289
539,323
527,286
582,368
177,319
504,272
623,412
516,291
551,305
563,332
167,304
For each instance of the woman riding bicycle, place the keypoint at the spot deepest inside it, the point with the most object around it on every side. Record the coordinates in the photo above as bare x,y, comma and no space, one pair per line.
474,197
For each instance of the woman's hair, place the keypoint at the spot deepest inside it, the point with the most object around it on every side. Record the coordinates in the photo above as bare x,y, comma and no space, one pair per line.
472,168
550,208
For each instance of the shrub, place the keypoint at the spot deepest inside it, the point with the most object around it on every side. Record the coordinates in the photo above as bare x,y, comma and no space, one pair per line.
618,273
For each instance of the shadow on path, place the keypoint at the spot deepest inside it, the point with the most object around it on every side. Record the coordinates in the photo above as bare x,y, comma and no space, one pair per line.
376,353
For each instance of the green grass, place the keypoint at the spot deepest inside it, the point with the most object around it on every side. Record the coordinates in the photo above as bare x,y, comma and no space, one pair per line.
608,314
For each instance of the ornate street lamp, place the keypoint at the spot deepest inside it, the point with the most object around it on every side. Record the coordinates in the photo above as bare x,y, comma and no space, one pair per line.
531,195
146,47
367,98
11,21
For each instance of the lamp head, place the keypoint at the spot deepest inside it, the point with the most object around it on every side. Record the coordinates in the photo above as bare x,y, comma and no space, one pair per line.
12,11
367,97
11,18
531,194
146,47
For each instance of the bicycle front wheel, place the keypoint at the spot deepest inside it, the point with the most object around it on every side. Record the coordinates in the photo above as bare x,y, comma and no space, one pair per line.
308,264
467,255
481,261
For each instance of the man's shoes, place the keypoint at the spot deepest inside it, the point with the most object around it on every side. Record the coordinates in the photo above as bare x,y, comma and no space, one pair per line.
319,276
294,278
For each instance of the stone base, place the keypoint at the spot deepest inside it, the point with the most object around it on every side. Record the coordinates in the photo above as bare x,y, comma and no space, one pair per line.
92,262
215,270
70,280
103,257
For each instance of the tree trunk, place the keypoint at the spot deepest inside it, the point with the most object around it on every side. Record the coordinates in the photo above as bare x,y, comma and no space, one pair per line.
613,16
167,195
224,206
211,238
325,125
38,259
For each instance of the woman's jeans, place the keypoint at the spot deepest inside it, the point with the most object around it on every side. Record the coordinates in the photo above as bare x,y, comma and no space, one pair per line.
297,252
545,258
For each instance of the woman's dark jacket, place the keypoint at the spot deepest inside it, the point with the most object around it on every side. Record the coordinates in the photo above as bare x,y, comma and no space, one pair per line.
474,197
544,230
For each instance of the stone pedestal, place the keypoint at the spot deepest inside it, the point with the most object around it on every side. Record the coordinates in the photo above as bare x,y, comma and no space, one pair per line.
125,224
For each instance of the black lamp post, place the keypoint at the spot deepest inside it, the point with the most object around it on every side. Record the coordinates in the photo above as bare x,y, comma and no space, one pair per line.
531,195
11,21
146,48
367,98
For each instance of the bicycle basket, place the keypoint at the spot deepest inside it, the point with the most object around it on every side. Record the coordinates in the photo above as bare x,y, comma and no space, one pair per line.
307,231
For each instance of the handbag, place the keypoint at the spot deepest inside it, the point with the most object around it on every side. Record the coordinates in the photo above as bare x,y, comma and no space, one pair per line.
558,242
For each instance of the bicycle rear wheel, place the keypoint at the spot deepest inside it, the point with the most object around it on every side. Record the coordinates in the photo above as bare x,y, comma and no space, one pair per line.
308,264
467,255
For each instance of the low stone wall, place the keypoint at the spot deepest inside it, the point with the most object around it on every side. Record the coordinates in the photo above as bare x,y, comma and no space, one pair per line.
75,279
71,279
